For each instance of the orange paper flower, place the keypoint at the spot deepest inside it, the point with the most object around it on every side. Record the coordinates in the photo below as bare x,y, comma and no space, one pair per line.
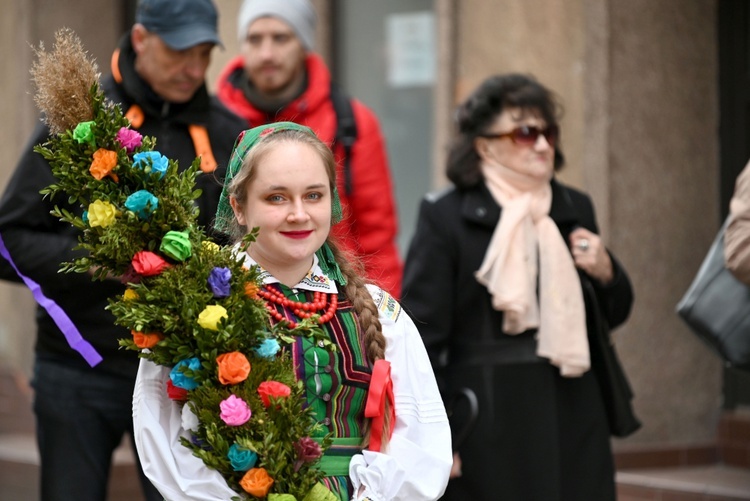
104,162
233,367
251,290
257,482
146,340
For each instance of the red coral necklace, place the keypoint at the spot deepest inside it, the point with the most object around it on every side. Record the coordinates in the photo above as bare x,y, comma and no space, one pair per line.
301,310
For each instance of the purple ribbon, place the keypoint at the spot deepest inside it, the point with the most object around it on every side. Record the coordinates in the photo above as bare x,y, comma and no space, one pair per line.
62,320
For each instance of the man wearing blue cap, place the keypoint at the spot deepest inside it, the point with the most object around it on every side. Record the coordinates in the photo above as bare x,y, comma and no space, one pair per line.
82,413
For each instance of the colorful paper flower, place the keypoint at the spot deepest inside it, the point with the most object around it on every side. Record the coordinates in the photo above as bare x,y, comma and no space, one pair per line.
218,281
319,492
251,290
241,459
129,139
210,247
257,482
148,264
287,497
103,163
233,367
196,440
146,340
268,348
101,214
151,161
143,203
268,389
176,244
179,378
211,315
308,450
175,392
83,133
234,411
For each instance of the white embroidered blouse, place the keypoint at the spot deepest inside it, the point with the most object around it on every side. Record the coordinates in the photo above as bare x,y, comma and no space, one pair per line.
415,465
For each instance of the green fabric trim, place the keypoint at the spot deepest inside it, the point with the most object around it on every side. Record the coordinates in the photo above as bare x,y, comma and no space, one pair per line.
335,462
328,264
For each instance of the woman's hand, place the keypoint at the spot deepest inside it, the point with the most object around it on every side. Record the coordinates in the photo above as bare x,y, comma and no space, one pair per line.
456,468
590,255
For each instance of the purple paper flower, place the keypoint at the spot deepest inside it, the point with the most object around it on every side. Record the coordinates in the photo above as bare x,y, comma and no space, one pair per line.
129,139
218,281
234,411
196,440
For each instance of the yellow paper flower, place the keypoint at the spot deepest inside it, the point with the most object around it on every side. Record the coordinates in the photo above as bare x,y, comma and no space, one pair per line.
210,247
210,317
129,295
101,214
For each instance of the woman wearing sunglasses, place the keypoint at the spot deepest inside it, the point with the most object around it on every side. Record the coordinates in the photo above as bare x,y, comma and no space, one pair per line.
507,279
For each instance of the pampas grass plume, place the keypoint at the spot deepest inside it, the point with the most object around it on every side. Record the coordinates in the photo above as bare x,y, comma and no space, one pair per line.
63,79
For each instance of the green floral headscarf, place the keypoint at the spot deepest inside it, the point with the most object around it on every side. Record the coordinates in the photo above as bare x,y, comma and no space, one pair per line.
244,143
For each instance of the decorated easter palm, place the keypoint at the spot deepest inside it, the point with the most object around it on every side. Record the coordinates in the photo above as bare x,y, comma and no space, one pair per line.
189,303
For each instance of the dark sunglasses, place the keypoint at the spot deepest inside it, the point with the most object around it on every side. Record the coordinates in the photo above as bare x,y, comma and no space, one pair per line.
527,135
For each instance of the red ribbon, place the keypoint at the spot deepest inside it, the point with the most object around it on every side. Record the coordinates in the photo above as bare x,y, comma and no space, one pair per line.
381,388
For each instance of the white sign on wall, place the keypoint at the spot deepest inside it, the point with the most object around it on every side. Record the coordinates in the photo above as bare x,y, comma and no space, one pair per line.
411,49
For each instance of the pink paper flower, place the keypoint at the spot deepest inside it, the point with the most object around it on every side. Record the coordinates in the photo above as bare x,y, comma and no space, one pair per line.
234,411
129,139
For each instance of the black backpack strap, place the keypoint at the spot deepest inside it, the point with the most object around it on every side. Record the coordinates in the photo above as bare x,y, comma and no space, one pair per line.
346,131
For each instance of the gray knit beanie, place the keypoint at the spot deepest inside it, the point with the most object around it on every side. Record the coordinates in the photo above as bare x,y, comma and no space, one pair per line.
299,14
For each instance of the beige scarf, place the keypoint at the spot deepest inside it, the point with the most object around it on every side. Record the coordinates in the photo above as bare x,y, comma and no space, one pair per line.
525,236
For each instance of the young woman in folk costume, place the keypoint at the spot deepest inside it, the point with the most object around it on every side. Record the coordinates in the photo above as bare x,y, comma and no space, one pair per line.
281,180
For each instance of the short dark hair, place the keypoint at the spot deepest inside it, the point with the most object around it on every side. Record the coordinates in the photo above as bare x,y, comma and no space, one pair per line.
477,113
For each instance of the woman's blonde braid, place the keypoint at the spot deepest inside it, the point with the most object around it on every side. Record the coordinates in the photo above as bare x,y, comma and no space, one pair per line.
369,323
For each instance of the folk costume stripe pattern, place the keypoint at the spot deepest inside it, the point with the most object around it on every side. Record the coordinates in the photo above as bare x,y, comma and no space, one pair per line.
337,382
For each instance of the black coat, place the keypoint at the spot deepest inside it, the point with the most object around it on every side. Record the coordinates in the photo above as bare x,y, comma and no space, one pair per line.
39,243
527,412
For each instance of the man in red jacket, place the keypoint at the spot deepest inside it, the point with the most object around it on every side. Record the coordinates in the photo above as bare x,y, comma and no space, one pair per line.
277,77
